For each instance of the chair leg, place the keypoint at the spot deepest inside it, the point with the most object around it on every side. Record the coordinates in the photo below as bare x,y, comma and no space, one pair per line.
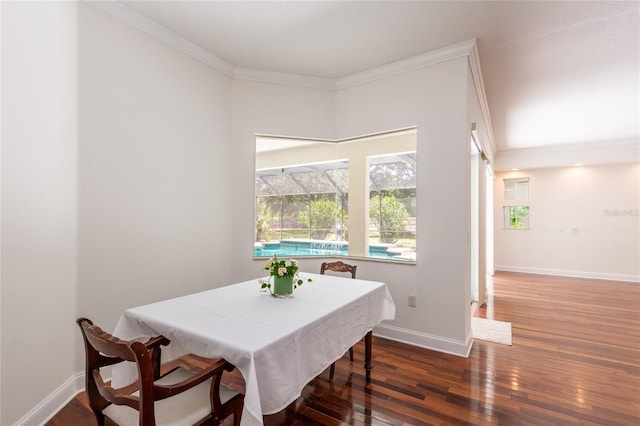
332,370
351,353
99,418
237,416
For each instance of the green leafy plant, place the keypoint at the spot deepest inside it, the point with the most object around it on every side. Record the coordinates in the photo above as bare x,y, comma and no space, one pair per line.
279,268
390,216
321,217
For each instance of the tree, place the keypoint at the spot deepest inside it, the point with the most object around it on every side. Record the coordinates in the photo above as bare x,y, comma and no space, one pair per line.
324,215
390,217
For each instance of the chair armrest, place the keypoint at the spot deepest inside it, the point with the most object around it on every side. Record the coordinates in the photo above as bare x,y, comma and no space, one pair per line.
157,341
153,345
214,370
120,396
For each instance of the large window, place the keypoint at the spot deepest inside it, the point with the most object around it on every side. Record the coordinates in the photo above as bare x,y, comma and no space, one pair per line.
354,197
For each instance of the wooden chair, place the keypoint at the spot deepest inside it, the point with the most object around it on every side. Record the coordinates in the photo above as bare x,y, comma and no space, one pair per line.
339,266
177,397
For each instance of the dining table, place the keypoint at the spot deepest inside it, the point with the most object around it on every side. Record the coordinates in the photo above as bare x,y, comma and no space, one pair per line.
278,344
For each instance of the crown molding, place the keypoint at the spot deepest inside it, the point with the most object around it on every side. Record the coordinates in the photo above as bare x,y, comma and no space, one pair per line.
476,73
162,33
466,48
289,79
169,37
426,59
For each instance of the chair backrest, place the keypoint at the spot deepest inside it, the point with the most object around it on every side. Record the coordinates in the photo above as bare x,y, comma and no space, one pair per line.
103,349
338,266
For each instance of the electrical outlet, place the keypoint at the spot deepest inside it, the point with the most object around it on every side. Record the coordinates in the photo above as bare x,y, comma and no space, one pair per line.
412,301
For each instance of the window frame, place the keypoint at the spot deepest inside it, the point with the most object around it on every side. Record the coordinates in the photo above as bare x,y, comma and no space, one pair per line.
515,195
345,150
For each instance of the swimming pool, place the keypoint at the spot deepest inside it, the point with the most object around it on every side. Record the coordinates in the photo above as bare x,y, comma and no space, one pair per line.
319,248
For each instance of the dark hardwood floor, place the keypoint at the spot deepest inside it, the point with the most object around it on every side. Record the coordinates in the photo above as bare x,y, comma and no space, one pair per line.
575,360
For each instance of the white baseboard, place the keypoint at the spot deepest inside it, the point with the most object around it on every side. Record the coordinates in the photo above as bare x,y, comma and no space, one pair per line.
47,408
424,340
565,273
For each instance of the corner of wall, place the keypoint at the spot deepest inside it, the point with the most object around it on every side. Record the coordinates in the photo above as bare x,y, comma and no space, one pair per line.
53,403
425,340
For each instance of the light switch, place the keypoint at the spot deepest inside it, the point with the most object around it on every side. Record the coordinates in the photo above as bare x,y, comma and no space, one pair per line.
412,301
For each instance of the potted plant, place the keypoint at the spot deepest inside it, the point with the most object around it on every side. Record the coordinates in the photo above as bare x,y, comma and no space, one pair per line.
285,277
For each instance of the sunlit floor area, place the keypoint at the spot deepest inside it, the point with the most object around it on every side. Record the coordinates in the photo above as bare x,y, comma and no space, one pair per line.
575,360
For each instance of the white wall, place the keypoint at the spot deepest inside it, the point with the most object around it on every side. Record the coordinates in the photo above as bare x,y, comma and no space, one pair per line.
154,138
164,150
39,198
584,222
276,110
435,100
115,177
589,153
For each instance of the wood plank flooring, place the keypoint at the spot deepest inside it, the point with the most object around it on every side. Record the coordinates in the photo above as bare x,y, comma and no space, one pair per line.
575,360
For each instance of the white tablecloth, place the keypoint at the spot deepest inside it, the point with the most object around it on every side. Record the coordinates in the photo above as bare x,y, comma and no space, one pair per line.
278,345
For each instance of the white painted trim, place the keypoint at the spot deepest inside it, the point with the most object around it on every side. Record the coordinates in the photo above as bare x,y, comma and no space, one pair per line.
1,214
169,37
426,59
573,274
424,340
47,408
162,33
282,78
476,73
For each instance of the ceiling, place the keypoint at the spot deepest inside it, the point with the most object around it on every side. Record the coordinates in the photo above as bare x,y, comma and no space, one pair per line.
555,72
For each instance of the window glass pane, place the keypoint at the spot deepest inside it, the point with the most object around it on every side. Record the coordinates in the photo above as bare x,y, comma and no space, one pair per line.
263,189
516,217
322,217
302,193
314,182
516,189
392,205
302,210
281,183
340,177
393,172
